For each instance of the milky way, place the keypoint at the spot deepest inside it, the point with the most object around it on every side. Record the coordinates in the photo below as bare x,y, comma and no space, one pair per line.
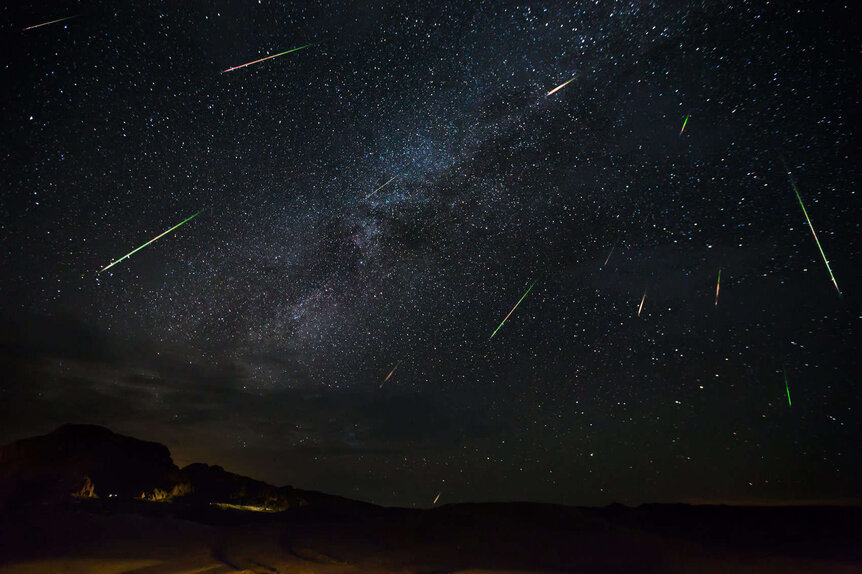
383,196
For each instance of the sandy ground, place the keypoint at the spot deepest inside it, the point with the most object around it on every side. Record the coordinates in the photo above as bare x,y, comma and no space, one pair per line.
468,542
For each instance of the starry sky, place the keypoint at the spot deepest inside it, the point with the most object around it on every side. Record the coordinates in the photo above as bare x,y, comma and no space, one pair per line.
259,334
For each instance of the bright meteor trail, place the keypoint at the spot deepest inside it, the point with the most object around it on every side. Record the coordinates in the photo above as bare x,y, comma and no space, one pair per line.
390,374
685,121
269,57
148,242
609,255
560,87
51,22
717,285
787,389
513,310
641,306
381,187
822,254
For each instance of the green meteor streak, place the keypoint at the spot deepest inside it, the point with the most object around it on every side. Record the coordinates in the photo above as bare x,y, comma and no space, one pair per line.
148,242
513,310
685,121
822,254
787,388
381,187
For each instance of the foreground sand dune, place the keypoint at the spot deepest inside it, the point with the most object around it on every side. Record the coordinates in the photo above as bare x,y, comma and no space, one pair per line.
468,539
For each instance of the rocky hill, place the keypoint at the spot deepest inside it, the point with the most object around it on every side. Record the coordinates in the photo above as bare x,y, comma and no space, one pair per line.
88,461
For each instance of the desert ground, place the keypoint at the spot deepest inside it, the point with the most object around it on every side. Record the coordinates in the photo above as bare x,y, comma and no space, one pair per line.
152,538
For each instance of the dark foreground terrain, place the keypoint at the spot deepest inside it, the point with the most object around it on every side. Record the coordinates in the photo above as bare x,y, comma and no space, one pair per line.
142,537
177,527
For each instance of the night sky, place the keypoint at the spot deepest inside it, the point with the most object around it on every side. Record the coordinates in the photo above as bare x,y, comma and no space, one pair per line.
257,335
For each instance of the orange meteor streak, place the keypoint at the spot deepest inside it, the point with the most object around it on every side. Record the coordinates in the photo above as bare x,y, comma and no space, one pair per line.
560,87
390,374
268,57
717,285
609,255
51,22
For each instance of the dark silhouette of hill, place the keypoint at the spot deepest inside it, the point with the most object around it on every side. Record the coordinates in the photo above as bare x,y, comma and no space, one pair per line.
75,458
92,462
84,499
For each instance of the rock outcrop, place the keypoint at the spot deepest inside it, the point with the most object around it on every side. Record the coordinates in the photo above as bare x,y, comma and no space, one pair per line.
86,461
213,483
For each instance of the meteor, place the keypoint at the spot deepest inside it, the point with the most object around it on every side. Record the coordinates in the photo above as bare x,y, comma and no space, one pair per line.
685,121
787,388
717,284
512,311
641,306
381,187
822,254
51,22
269,57
438,497
609,255
390,374
148,242
560,87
